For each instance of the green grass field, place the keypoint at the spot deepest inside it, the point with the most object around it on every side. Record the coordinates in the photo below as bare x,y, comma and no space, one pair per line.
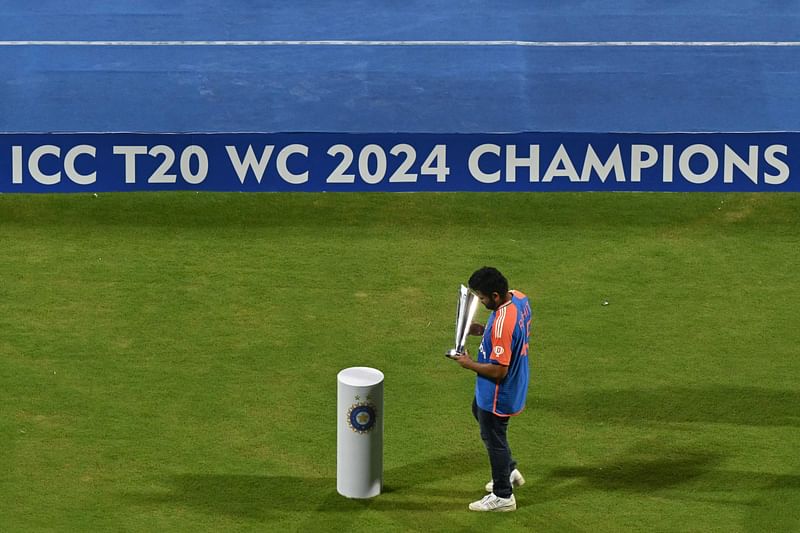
168,361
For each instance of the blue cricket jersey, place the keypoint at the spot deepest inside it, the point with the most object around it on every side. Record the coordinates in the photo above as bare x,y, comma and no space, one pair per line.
505,342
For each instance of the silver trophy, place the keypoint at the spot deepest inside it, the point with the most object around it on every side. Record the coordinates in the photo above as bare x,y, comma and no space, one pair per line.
465,312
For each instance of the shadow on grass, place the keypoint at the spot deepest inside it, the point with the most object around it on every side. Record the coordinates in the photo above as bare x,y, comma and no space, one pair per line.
741,406
643,474
259,497
677,474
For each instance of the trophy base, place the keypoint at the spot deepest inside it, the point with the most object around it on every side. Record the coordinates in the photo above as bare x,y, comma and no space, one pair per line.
450,353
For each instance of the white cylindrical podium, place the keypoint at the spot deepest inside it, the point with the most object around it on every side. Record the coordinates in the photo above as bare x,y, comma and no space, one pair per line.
359,433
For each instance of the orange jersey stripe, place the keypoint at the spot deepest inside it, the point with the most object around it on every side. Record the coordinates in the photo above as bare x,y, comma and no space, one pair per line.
502,332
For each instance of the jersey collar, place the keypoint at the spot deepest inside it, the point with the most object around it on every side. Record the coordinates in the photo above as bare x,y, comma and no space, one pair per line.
508,302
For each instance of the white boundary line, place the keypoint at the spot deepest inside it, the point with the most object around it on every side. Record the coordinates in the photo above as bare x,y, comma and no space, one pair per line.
533,44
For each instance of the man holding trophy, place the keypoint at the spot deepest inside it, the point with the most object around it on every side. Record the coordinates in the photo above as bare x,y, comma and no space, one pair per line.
502,374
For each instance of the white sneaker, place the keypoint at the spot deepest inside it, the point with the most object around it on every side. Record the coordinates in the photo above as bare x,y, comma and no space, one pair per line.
493,503
516,480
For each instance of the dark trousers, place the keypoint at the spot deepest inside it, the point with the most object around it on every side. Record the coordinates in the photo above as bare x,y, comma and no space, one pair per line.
493,433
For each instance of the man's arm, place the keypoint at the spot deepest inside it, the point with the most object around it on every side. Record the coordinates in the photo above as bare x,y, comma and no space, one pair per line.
476,329
487,370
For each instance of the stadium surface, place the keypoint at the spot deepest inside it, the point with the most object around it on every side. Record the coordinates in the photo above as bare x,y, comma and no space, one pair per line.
168,359
509,71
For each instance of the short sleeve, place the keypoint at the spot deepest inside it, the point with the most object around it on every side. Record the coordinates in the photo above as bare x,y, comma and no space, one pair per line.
502,333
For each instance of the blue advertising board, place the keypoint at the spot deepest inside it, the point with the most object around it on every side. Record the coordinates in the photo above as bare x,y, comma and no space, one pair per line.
399,162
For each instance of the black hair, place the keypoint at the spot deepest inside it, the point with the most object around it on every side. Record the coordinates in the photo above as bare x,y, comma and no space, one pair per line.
488,280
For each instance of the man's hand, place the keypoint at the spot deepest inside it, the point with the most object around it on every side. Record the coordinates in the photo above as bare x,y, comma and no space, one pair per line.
463,359
487,370
476,329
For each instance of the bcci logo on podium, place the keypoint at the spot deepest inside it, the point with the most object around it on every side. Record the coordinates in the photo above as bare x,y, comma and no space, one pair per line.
361,416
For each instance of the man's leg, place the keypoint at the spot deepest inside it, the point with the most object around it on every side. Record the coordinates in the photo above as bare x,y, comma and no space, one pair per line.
494,435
